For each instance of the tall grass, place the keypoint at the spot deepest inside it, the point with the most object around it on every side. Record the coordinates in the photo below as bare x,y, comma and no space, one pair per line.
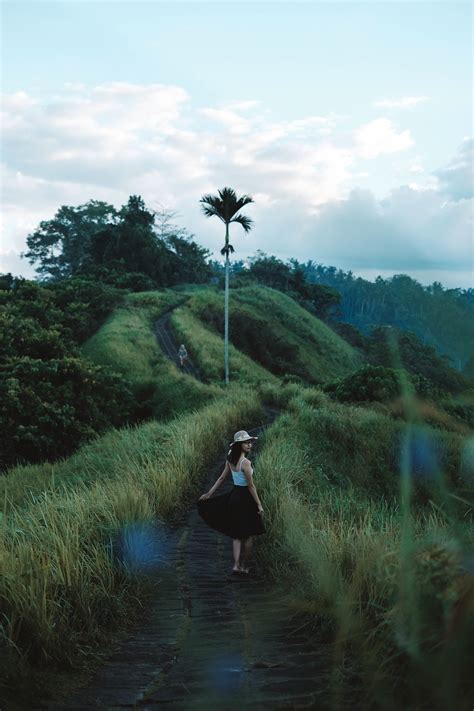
60,584
127,343
317,351
207,349
391,582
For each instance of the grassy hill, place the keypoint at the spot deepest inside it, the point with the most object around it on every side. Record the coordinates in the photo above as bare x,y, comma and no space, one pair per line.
370,505
371,524
127,343
271,329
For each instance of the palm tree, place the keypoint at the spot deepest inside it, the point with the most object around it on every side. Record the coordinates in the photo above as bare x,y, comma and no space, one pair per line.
225,206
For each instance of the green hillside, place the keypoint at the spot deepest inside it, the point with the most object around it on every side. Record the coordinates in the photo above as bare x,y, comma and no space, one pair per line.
371,523
367,508
127,343
206,348
273,330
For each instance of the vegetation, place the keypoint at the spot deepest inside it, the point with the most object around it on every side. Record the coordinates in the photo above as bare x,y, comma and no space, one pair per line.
118,246
367,482
438,317
375,384
52,399
126,343
362,506
205,348
442,318
62,584
293,343
388,346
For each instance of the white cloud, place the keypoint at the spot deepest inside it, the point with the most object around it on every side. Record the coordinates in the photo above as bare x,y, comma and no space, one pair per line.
408,230
118,139
406,102
380,136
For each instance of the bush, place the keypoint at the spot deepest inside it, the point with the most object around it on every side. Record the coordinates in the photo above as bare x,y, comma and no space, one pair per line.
48,408
376,383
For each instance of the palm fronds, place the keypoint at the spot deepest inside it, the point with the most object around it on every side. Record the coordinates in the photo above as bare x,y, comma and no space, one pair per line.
246,222
225,206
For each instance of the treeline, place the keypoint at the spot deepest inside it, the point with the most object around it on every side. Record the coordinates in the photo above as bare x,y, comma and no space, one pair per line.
88,256
384,345
440,317
133,247
52,398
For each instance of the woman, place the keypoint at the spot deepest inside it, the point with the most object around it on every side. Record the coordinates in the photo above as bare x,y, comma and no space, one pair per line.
183,354
237,514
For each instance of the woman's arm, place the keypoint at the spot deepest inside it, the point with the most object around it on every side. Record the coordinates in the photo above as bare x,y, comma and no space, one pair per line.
247,470
218,482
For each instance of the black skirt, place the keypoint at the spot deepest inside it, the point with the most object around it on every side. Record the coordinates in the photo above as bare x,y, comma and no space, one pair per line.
235,514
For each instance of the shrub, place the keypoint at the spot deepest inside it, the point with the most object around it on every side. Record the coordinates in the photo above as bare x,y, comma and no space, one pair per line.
47,408
376,383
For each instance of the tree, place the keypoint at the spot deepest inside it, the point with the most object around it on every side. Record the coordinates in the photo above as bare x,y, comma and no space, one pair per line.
226,207
62,245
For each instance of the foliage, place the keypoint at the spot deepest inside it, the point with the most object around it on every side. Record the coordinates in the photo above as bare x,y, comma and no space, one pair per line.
440,317
127,344
384,574
468,369
205,349
51,398
376,383
226,206
294,343
61,246
68,312
97,240
388,346
63,583
349,333
48,407
289,277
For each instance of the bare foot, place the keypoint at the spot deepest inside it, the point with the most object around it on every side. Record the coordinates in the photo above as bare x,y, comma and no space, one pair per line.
243,569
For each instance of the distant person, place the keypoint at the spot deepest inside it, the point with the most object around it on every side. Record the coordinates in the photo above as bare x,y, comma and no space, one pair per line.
183,354
237,514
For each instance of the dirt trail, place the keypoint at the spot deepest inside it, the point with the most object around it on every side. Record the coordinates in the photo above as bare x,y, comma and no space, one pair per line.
169,346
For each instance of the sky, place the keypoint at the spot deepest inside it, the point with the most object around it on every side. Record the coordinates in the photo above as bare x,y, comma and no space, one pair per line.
350,124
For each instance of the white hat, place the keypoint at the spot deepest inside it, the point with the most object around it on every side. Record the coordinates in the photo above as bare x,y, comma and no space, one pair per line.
242,436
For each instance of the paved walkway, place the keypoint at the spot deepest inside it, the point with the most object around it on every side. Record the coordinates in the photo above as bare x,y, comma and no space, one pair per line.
210,640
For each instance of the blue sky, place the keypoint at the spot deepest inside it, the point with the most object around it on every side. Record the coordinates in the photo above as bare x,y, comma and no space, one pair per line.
350,123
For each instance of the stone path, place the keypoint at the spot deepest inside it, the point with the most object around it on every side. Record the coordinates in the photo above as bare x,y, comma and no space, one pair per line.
209,640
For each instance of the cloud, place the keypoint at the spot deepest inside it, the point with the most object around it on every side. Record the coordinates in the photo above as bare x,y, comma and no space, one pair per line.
406,102
113,140
408,230
457,178
380,136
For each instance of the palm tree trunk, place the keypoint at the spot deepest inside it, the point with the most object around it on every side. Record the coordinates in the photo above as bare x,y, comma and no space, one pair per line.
226,309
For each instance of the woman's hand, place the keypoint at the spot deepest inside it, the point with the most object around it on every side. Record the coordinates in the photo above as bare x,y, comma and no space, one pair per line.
203,497
260,510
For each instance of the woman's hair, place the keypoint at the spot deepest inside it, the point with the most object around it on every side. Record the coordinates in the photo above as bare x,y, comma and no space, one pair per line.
233,455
